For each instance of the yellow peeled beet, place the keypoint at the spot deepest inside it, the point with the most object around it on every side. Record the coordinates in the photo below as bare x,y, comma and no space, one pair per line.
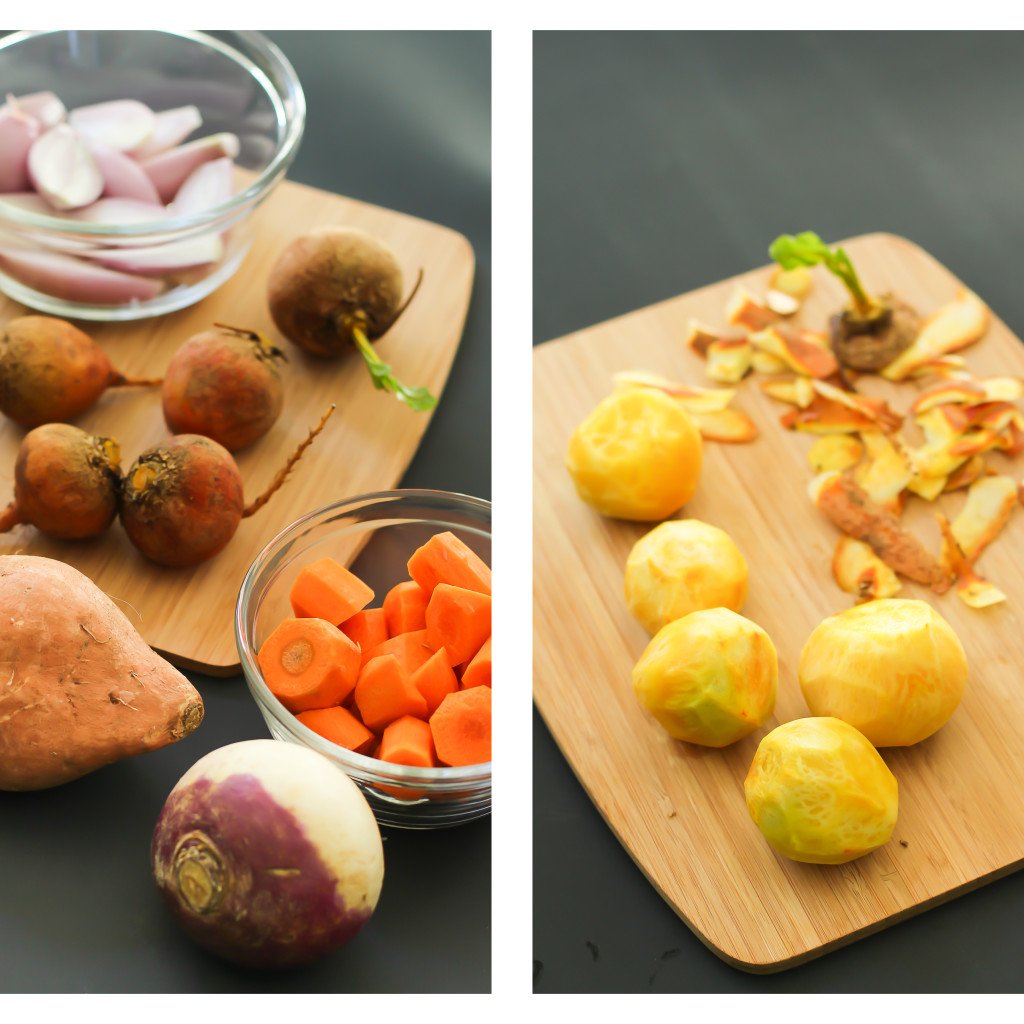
820,793
636,456
683,566
894,669
709,678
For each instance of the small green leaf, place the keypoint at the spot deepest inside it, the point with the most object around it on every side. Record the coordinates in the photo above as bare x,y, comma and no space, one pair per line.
383,378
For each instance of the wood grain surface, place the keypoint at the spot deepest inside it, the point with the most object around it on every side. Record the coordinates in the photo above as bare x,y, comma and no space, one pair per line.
186,614
679,809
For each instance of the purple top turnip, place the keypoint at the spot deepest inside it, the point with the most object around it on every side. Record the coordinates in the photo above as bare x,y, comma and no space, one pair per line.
338,287
268,855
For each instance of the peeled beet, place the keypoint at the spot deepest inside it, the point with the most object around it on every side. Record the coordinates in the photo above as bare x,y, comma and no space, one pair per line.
50,371
224,384
330,281
66,483
81,688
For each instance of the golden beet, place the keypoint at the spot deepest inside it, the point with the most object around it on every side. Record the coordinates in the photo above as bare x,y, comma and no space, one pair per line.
709,678
894,669
820,793
683,566
636,456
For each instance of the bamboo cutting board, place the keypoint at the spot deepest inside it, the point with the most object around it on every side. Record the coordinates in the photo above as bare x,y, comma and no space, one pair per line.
186,614
679,809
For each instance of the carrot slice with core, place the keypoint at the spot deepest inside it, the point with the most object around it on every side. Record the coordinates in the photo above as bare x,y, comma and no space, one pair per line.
309,664
461,727
325,589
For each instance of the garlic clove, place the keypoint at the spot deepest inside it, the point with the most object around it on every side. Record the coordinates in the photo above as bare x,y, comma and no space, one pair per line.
120,124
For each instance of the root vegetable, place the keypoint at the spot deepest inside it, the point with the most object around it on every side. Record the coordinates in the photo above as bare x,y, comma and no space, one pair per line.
51,371
63,169
44,107
224,383
82,688
182,501
338,287
67,483
268,855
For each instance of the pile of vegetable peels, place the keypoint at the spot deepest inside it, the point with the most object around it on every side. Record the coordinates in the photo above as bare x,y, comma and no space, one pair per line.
868,457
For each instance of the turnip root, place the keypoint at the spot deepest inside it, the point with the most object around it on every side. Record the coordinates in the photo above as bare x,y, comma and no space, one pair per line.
268,855
51,371
81,689
182,501
335,288
67,483
224,384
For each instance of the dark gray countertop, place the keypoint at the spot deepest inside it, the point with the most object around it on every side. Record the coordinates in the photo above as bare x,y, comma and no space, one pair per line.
663,162
402,120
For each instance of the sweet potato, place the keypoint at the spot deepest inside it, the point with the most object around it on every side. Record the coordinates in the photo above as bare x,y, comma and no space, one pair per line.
80,688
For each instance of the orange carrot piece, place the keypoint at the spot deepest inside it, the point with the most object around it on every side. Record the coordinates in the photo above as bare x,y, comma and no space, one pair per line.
340,727
478,671
384,693
411,650
325,589
309,664
458,620
435,679
461,727
405,608
368,629
446,559
408,740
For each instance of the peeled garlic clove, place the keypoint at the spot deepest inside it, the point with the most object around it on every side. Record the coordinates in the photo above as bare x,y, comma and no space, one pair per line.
120,124
45,107
169,170
170,129
123,178
65,277
63,170
17,134
207,186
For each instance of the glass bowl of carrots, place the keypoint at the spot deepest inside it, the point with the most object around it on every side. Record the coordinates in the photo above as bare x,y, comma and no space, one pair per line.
411,563
131,163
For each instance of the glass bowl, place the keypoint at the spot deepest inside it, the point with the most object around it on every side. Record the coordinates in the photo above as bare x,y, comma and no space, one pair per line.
241,84
375,534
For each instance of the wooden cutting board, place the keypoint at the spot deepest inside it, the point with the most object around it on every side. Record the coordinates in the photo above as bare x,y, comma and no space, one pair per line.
679,809
186,614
